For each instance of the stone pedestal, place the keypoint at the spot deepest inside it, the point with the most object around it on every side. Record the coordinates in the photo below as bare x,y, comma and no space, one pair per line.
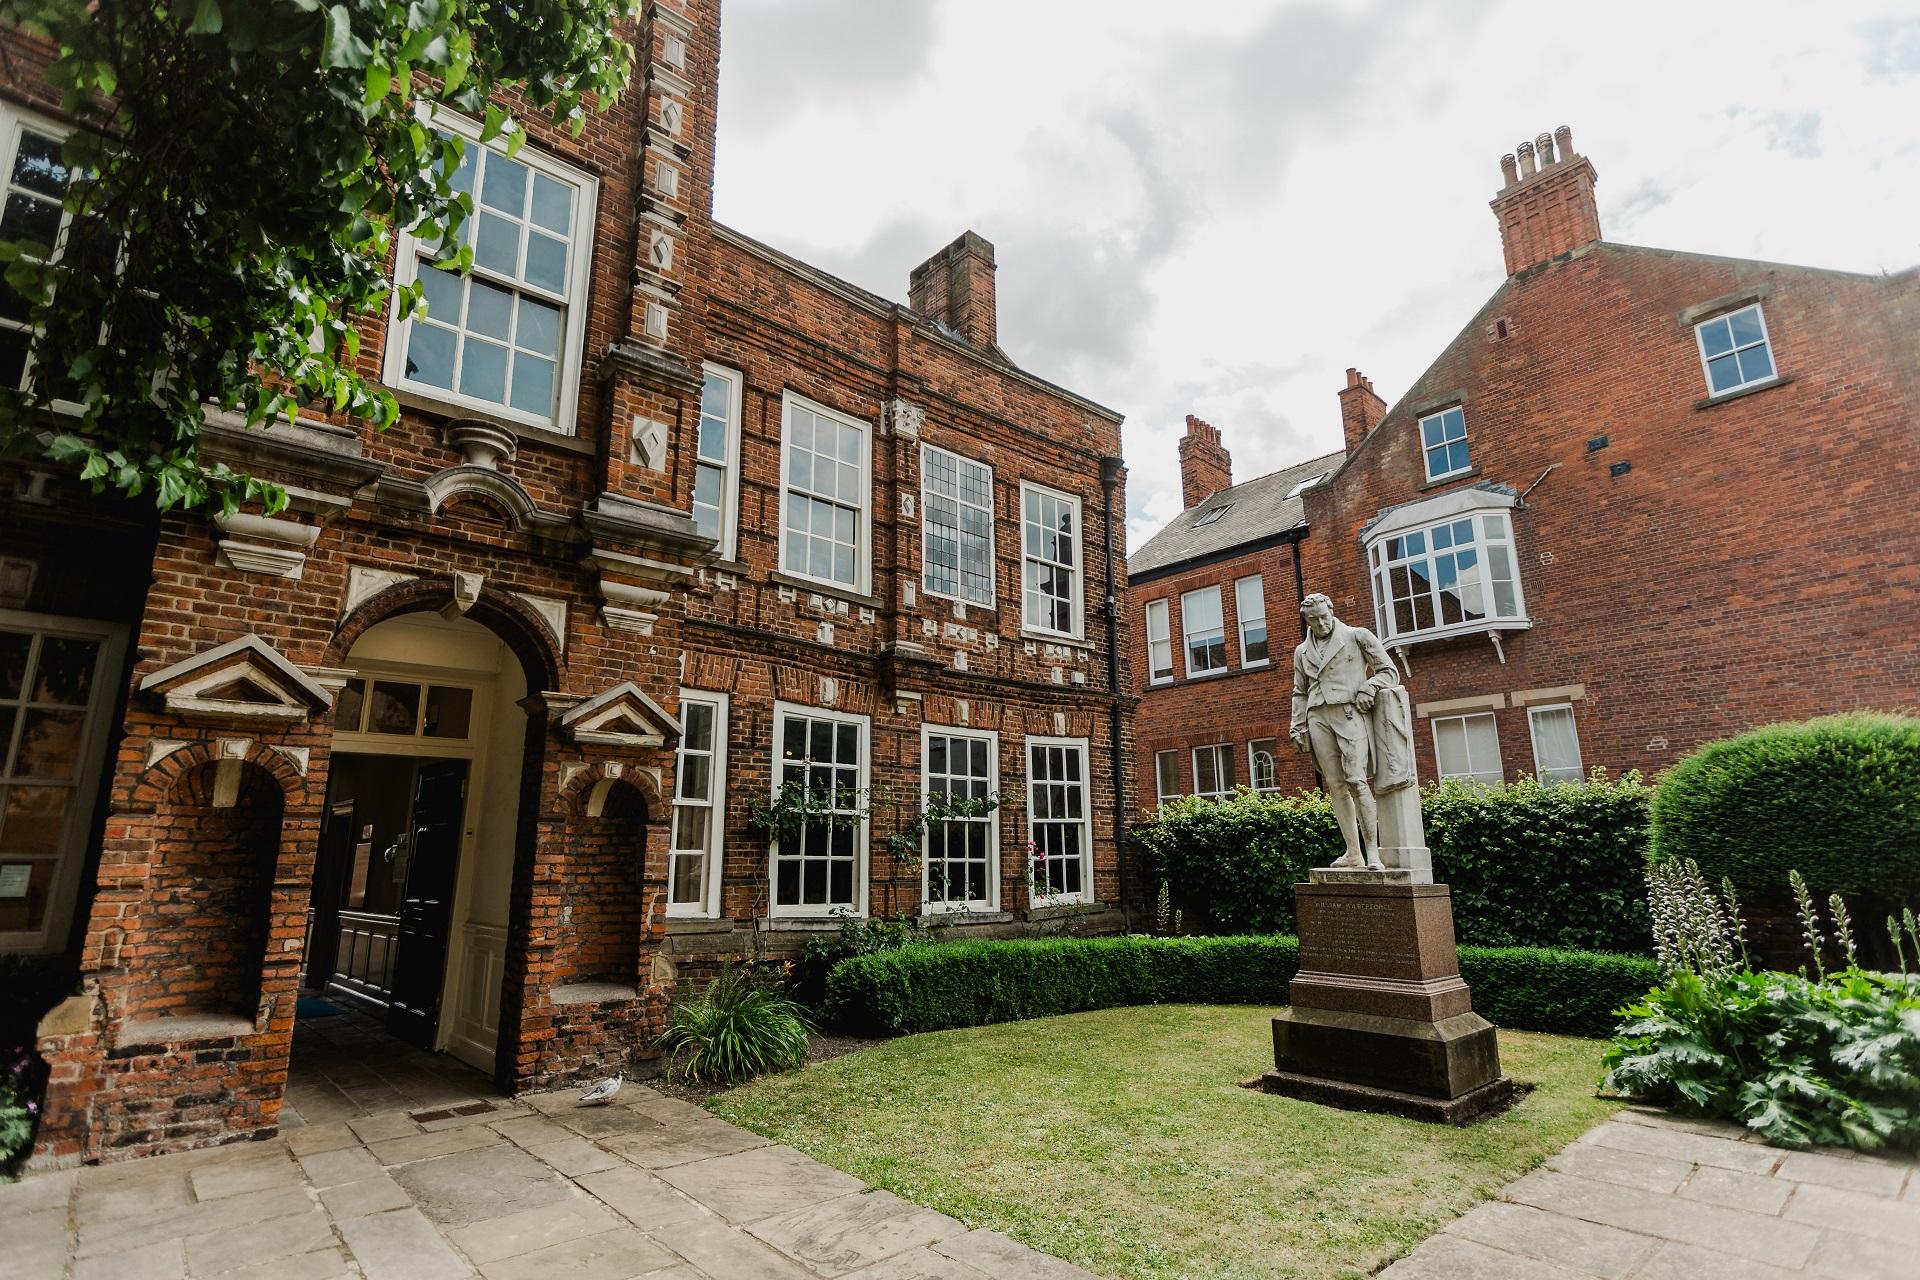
1381,1019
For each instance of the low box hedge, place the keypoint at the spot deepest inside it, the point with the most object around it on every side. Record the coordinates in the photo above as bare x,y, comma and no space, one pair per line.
937,986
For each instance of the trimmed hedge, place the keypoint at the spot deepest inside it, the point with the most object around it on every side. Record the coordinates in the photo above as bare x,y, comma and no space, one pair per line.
1836,799
1529,865
936,986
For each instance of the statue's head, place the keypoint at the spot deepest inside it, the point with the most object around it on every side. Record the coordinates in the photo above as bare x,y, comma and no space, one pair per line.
1318,611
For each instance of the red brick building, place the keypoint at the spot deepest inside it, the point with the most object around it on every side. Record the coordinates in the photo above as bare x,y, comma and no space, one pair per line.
467,736
1643,500
1215,598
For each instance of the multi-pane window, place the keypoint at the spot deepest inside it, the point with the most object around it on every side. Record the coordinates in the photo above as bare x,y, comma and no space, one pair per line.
1050,555
1060,839
1556,745
55,692
699,783
507,336
1468,748
1735,350
394,707
1455,573
1166,775
1213,772
716,482
1250,610
821,866
1443,439
1159,643
824,506
1205,630
36,184
960,854
1263,763
957,498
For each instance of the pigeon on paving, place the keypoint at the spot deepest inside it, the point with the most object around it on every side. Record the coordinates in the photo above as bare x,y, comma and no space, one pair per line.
603,1091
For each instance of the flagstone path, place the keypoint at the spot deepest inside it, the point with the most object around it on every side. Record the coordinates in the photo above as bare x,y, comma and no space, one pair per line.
1648,1196
508,1189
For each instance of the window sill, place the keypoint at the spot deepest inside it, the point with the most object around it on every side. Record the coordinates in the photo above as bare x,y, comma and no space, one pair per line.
523,433
805,924
697,922
829,589
1439,482
936,917
1738,392
1456,632
1051,637
970,606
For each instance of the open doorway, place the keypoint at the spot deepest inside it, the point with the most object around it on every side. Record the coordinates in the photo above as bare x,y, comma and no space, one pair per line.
407,925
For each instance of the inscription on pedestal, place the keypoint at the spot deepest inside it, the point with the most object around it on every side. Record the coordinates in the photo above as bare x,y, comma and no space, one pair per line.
1346,936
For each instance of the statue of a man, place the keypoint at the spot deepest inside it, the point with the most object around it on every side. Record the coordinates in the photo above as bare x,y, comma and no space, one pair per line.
1351,712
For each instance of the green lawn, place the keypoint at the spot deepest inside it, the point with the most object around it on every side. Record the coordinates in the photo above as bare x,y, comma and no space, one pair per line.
1120,1140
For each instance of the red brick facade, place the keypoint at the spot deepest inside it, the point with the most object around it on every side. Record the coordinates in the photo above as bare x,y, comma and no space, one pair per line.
573,553
1691,564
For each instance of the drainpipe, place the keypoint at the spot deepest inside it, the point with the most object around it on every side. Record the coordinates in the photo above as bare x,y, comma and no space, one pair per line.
1112,474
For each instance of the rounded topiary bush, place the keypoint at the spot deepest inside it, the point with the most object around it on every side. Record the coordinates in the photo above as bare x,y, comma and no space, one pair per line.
1837,799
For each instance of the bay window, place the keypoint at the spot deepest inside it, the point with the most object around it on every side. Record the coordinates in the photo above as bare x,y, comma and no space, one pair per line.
1449,575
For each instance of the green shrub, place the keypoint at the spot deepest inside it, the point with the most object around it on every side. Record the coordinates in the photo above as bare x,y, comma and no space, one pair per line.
932,987
734,1029
1801,1061
1838,799
856,936
1529,865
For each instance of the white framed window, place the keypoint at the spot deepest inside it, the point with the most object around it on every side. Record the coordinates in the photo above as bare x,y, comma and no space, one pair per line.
1556,743
1213,772
1159,643
1468,748
36,187
1059,820
1443,442
1454,575
826,508
1263,764
1250,611
1308,483
1050,560
716,468
507,338
1205,631
823,866
1166,775
58,678
1211,515
1734,350
960,862
699,806
956,503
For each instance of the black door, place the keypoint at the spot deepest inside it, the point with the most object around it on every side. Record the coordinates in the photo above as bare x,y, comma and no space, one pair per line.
432,851
323,912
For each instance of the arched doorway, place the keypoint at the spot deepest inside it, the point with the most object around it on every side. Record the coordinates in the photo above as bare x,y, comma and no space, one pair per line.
408,923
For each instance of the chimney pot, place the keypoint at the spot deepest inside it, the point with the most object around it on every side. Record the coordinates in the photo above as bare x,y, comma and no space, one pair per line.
1527,167
1563,136
1509,169
1544,145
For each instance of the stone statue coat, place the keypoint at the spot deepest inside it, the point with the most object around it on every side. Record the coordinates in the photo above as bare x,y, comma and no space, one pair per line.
1348,660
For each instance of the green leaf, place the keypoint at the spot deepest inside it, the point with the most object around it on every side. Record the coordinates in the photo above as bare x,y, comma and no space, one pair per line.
379,82
206,19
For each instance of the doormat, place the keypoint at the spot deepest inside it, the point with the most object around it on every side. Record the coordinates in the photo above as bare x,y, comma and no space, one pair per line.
315,1007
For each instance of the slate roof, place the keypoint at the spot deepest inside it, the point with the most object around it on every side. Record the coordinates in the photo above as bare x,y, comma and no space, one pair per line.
1259,508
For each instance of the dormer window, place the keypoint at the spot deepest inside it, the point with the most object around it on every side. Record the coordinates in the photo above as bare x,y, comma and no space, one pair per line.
1443,440
1735,351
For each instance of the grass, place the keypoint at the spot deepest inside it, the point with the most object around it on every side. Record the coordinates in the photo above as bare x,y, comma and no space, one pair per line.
1120,1141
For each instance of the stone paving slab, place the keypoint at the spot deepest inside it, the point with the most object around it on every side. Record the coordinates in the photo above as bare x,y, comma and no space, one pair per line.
651,1187
1647,1196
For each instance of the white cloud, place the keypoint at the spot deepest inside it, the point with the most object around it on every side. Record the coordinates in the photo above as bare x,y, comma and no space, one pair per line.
1217,208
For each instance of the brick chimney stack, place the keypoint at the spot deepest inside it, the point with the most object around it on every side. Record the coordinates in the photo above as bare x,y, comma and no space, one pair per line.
1546,207
955,287
1205,466
1360,408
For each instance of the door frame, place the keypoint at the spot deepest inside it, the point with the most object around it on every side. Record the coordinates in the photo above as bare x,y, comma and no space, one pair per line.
473,749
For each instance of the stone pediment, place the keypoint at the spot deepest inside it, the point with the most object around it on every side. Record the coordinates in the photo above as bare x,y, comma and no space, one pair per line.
245,679
623,716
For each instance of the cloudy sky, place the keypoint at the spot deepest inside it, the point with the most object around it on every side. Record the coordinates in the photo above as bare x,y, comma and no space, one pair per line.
1216,207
